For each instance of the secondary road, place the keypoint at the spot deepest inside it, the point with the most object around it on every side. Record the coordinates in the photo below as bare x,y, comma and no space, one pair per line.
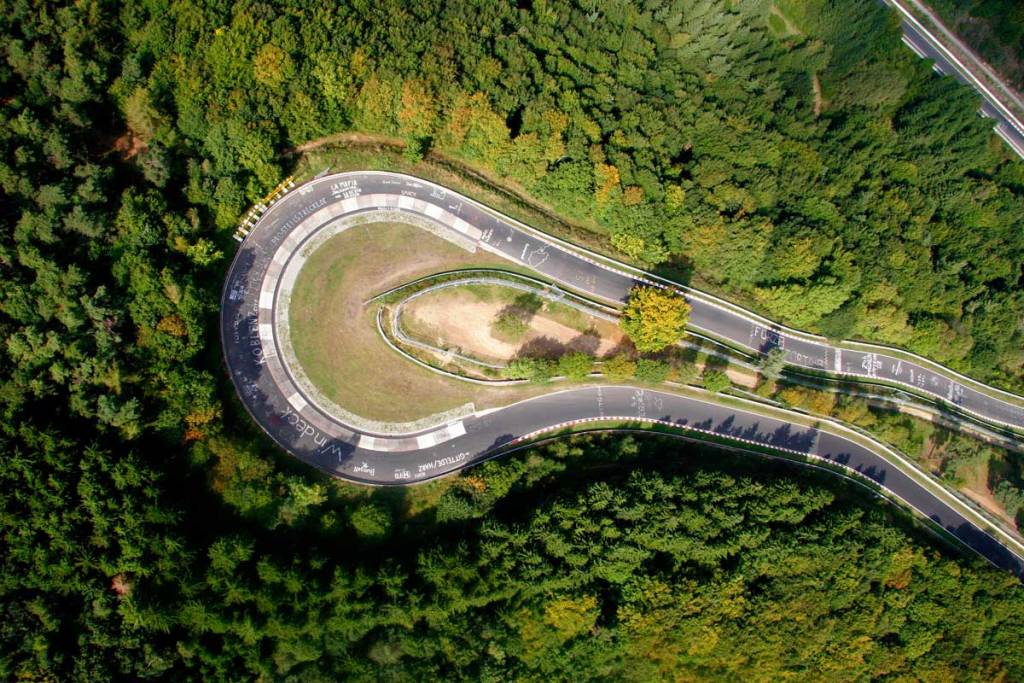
254,332
968,71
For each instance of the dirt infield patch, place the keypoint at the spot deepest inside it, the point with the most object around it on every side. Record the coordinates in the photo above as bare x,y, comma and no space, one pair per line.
463,317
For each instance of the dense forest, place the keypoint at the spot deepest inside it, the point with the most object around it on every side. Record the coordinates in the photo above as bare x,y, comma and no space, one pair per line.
994,28
796,157
707,567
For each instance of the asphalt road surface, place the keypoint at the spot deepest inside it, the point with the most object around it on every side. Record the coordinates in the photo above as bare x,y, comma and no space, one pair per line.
268,259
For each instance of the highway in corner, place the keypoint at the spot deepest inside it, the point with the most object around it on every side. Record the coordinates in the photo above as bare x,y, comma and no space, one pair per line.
928,46
254,323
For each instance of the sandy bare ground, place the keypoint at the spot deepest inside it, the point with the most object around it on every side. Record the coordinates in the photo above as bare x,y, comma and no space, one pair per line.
987,501
976,487
462,321
976,480
739,376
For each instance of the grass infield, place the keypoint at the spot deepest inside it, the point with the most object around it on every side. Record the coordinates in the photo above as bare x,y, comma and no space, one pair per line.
335,336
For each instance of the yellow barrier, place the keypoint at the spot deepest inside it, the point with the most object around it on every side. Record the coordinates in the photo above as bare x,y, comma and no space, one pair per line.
269,199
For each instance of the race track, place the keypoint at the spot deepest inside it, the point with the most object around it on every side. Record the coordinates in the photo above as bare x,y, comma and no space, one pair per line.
254,311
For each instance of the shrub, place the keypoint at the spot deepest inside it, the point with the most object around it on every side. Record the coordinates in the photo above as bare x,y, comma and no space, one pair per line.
716,381
575,365
765,389
651,371
537,370
509,325
619,368
513,321
684,372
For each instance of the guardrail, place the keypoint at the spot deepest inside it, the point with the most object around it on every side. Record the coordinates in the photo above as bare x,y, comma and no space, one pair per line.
253,216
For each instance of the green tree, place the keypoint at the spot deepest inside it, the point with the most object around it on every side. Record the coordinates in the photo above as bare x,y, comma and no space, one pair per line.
772,363
538,370
371,521
1010,497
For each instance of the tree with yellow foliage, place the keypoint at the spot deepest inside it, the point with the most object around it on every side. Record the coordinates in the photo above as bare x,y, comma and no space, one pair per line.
654,318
